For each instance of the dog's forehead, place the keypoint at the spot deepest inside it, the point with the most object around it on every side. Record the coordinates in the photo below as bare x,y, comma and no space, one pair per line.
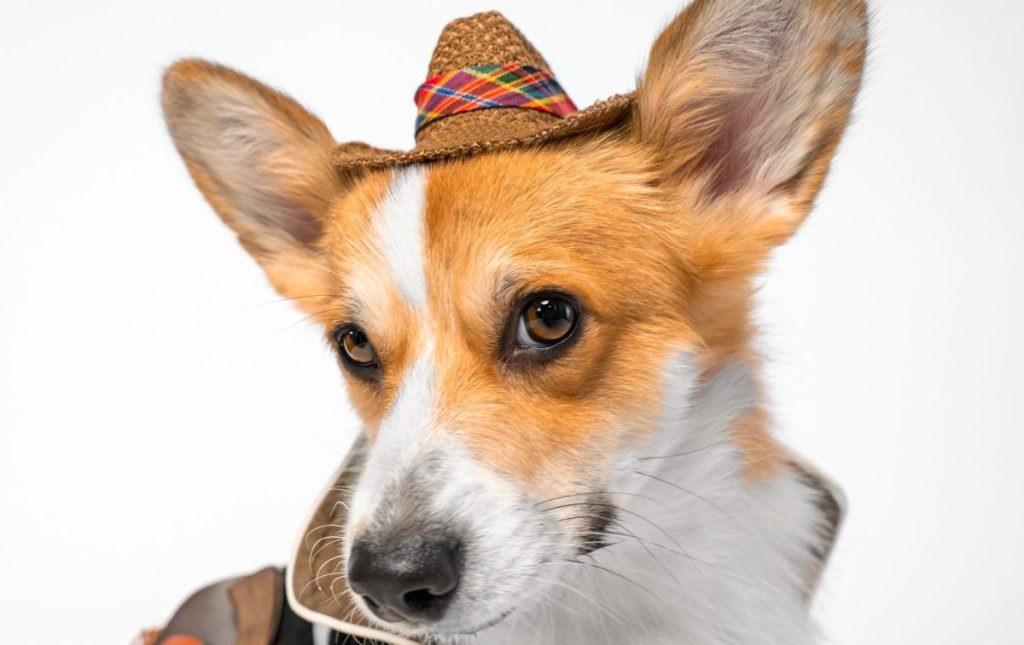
519,198
494,222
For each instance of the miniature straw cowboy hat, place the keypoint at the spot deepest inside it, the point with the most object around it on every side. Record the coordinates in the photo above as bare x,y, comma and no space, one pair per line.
487,88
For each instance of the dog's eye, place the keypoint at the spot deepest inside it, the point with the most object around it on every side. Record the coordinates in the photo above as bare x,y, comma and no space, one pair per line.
357,351
546,321
358,348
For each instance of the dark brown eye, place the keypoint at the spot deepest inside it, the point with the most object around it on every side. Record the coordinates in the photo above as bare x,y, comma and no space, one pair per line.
355,347
358,347
546,321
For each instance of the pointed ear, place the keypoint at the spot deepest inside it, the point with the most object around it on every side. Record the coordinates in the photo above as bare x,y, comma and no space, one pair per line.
752,96
262,162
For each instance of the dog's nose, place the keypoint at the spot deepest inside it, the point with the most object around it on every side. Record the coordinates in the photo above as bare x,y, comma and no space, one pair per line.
411,578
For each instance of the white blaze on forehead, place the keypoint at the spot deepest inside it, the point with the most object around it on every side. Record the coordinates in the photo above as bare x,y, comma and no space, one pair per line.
398,229
412,411
398,224
401,436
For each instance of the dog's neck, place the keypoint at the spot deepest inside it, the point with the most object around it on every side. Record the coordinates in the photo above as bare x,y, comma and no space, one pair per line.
695,554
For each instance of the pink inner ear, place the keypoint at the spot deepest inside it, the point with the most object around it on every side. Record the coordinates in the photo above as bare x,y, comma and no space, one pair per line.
283,214
730,159
753,94
744,149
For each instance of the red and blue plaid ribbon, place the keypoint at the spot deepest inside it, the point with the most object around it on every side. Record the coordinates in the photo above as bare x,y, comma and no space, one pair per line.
490,86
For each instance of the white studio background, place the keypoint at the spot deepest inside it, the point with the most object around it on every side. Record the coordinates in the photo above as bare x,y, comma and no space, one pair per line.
165,421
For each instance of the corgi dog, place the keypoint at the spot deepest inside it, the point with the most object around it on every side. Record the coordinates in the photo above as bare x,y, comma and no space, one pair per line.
550,344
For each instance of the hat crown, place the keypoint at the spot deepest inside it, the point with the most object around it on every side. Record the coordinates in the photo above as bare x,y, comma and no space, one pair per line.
480,63
482,39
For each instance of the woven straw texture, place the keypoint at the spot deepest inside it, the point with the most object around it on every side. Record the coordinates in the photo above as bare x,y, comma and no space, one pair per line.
478,40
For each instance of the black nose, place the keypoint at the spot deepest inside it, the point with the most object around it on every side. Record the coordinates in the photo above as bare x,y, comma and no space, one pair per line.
411,578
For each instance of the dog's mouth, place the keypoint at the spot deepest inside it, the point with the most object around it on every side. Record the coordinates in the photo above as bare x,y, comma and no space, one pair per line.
439,635
434,633
487,625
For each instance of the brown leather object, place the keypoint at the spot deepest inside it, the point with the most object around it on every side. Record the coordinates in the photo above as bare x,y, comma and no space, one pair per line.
257,600
237,611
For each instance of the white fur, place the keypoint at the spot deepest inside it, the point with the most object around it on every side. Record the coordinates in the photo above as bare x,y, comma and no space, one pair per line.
399,228
709,559
321,635
723,562
399,231
400,439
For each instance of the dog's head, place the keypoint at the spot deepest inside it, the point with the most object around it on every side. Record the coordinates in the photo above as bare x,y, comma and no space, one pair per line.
504,321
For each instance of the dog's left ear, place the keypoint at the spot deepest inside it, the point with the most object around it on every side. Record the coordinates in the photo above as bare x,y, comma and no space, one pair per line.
751,97
264,165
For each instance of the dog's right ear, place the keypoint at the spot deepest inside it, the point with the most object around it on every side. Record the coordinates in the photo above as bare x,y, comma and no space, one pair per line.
262,162
749,99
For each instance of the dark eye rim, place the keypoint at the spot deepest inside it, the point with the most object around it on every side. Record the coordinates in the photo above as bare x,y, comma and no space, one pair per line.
369,372
515,354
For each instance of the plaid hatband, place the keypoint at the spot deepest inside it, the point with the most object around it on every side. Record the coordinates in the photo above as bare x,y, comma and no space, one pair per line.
483,87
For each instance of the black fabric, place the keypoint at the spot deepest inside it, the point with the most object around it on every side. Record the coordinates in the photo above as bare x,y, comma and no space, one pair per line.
292,629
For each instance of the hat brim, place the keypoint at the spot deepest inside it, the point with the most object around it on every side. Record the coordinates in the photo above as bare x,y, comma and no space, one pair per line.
602,115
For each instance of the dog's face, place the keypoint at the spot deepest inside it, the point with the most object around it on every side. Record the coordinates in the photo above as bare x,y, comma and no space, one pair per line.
504,321
500,364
